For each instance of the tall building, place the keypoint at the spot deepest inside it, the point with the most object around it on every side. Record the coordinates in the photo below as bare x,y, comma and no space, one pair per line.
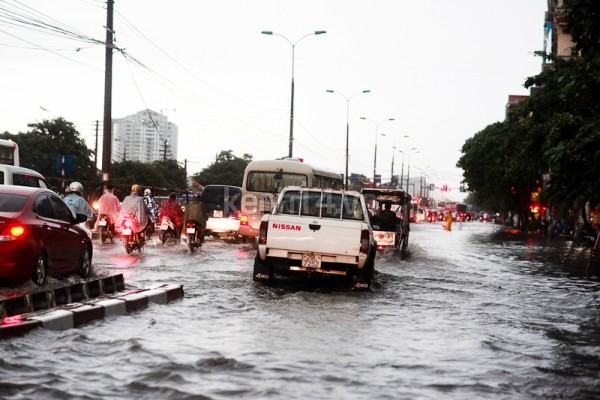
556,41
146,136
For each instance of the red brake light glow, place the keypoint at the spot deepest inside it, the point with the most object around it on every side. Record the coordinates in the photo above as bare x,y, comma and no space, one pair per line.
13,233
243,219
17,231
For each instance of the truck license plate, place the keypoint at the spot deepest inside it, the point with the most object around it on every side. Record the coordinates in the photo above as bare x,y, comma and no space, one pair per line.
311,260
218,213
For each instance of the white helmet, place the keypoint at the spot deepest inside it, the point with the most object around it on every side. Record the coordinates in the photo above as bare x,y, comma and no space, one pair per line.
147,192
76,187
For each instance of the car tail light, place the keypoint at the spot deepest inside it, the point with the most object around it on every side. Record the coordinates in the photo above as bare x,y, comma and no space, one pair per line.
364,241
243,219
12,233
262,232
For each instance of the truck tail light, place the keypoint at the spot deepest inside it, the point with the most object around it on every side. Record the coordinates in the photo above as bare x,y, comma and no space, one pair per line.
262,232
243,219
364,241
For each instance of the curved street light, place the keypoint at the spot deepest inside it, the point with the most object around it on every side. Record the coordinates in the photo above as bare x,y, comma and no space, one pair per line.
347,126
407,153
394,152
291,145
376,133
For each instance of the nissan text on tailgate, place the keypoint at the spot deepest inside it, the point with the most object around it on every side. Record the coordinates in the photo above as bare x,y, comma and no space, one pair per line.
316,233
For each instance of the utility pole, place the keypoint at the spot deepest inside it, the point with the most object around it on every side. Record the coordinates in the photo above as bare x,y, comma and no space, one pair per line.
96,148
107,127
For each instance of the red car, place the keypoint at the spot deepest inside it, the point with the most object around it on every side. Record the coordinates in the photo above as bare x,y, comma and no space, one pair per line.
40,236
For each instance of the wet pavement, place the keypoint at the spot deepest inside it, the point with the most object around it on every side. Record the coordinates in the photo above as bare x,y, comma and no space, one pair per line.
472,313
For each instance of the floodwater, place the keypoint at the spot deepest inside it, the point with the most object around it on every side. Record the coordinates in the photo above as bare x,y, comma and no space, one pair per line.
474,313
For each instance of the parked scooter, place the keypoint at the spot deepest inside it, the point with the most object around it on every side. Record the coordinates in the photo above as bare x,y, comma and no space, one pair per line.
195,235
168,230
132,239
106,228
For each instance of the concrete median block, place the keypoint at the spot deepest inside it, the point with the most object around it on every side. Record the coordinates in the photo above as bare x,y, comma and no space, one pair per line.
113,307
135,301
87,313
78,304
174,292
14,306
56,320
158,296
13,327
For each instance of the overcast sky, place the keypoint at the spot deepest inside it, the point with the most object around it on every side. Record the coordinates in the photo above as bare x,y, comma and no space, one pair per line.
442,69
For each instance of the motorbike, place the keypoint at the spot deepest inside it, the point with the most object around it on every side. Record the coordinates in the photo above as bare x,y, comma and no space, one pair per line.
150,226
106,228
132,239
195,235
585,236
168,230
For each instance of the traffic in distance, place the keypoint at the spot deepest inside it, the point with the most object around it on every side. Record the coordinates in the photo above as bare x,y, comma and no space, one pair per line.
299,219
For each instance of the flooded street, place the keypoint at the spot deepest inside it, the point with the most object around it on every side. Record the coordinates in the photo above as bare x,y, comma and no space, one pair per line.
472,313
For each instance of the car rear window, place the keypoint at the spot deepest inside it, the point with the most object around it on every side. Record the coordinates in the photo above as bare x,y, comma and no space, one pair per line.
28,180
220,195
12,202
324,205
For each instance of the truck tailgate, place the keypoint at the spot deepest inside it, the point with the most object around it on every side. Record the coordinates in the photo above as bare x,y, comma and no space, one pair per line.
314,235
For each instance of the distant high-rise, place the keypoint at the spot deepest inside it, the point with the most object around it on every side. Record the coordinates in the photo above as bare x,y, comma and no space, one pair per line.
146,136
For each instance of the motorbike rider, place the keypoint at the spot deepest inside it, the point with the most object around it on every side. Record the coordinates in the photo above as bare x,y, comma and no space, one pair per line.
134,206
76,202
151,204
173,211
195,211
109,204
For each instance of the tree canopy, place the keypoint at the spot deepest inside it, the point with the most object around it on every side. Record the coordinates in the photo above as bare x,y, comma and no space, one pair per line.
226,170
554,133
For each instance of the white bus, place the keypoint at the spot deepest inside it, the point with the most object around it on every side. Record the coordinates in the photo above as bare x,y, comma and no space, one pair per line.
264,179
9,152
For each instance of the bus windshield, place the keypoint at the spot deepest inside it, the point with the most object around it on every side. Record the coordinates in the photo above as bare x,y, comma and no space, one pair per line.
273,182
9,152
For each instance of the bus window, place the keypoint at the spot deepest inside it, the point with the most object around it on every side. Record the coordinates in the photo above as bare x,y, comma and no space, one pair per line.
9,152
267,182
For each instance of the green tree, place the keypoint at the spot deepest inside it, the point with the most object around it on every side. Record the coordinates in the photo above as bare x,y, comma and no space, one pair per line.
49,139
161,176
555,131
226,170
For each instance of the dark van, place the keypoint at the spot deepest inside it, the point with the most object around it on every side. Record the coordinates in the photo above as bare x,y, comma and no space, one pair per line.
223,204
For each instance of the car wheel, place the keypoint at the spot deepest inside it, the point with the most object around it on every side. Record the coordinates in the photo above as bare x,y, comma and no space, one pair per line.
363,279
86,263
262,271
40,270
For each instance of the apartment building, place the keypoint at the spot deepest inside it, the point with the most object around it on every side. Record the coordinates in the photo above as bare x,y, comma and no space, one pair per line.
146,136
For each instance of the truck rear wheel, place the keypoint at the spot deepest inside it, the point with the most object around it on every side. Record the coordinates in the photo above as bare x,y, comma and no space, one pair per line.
262,271
363,279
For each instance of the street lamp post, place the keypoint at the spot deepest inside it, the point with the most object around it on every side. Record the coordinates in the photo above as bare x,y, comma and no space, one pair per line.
347,127
291,144
376,133
394,153
408,153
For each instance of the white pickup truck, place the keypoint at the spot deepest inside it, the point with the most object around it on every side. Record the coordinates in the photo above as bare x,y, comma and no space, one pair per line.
316,232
